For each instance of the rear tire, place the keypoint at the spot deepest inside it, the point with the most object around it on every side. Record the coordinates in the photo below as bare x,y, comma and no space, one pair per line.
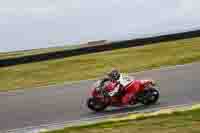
151,97
96,105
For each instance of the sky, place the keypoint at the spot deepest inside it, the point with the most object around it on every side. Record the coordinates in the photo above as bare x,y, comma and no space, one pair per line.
30,24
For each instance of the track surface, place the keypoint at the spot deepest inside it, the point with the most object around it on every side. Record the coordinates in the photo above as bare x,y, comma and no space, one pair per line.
179,85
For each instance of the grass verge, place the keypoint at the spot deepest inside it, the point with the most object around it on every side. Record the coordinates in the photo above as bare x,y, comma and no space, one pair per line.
97,64
179,121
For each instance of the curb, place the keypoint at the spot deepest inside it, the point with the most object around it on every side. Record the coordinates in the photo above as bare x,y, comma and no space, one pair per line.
156,113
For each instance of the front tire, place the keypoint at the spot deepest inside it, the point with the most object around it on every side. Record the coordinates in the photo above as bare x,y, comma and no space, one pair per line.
96,105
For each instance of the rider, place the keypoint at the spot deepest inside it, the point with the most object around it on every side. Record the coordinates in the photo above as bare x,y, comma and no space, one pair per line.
121,79
112,76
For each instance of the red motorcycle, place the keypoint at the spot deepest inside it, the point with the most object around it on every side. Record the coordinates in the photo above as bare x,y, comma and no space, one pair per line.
146,93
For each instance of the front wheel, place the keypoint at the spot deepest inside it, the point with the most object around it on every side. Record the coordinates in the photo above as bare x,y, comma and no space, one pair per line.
96,105
151,97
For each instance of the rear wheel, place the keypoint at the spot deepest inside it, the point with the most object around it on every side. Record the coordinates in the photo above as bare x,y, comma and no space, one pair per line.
150,97
96,104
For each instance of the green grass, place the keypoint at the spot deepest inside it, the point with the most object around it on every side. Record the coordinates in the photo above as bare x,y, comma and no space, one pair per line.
179,122
97,64
7,55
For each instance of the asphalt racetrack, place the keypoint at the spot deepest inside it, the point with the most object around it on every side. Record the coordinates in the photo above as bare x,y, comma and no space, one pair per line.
178,85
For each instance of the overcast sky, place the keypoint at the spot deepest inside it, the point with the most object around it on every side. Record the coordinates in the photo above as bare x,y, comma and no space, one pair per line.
27,24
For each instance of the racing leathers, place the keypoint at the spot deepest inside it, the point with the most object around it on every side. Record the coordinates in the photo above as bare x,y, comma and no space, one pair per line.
121,83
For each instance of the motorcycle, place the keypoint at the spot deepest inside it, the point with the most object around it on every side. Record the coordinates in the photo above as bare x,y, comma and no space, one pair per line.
146,94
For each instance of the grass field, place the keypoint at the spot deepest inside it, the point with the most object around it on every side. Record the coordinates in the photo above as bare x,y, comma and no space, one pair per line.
97,64
179,122
7,55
